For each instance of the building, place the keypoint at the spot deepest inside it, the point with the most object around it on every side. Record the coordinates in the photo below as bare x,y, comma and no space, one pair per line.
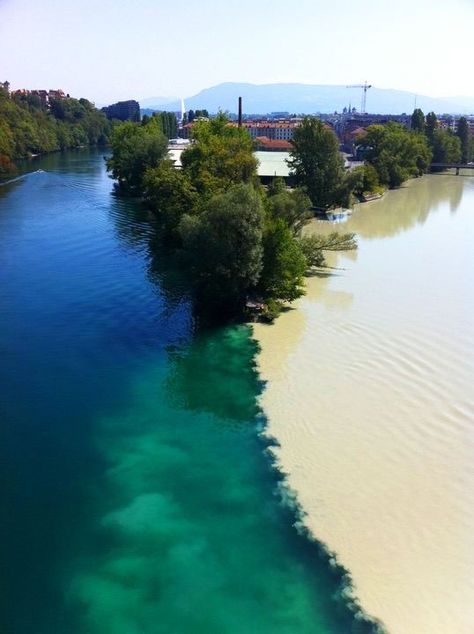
44,96
123,110
275,130
264,144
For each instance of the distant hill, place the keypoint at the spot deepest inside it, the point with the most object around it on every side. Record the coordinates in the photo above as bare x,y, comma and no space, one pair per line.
155,102
309,99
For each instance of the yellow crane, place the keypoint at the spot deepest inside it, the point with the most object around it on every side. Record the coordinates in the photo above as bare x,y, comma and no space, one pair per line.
365,87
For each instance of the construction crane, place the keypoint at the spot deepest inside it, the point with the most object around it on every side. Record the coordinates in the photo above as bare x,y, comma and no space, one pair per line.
365,87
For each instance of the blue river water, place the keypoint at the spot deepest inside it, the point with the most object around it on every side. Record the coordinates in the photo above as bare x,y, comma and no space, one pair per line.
137,493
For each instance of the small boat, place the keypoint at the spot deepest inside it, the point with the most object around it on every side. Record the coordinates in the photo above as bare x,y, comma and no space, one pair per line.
338,215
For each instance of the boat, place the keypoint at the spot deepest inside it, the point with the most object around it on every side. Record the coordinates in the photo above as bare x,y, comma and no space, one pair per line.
338,215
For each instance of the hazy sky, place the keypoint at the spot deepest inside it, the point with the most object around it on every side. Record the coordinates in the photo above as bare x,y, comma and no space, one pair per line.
116,49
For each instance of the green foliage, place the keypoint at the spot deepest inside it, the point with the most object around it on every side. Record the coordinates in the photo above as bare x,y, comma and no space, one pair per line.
313,246
396,153
220,157
464,135
271,310
316,162
236,243
294,207
431,126
277,186
169,195
196,114
284,263
364,180
224,244
418,120
167,122
27,127
135,149
446,147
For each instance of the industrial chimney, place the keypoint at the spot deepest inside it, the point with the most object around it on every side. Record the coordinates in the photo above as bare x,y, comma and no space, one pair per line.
240,112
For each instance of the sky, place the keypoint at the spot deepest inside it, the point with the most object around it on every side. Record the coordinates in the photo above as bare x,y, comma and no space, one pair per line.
108,50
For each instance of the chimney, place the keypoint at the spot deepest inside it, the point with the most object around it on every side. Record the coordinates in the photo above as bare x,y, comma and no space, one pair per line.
240,112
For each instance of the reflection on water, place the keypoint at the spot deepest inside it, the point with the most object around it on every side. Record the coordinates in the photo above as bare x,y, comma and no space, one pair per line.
403,208
372,404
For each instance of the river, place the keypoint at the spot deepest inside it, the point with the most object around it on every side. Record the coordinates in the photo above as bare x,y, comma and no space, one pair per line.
137,491
370,396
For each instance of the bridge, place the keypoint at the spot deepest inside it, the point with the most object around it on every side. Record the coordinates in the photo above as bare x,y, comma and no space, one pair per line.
449,166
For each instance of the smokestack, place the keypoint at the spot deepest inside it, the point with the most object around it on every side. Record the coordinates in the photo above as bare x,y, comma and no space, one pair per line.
240,112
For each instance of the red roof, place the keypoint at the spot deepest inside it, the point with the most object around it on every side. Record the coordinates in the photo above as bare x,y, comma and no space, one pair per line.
273,144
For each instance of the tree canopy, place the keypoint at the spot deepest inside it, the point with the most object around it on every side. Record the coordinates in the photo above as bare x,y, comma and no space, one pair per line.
316,162
237,242
464,135
28,127
418,120
135,149
220,156
396,153
224,244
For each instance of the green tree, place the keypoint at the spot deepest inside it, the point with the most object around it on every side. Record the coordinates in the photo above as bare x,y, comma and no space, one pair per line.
316,162
135,149
446,147
418,120
431,126
396,153
284,263
169,195
313,246
464,134
220,157
293,207
224,245
28,127
277,186
364,180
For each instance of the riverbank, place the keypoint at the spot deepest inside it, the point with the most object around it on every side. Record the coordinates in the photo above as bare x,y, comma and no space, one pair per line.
367,393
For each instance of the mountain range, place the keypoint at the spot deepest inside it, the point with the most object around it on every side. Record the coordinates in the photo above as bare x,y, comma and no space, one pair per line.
309,99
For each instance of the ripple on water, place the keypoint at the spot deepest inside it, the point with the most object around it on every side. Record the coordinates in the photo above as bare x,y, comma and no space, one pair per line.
372,407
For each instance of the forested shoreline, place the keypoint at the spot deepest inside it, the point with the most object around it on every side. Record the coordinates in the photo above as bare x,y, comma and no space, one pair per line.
29,127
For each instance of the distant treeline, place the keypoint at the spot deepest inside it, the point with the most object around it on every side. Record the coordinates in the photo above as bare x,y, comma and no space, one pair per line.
28,126
166,121
447,146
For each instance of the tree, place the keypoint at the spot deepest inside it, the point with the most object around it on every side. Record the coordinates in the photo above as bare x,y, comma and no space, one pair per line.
431,126
284,263
446,147
27,127
364,180
293,207
224,245
167,122
464,134
396,153
135,148
316,162
313,246
169,195
418,120
220,157
277,186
